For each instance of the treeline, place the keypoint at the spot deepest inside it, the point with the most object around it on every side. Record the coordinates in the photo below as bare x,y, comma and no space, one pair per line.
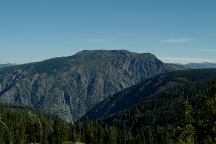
96,133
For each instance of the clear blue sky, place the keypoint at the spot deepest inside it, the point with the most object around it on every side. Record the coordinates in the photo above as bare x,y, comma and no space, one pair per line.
174,30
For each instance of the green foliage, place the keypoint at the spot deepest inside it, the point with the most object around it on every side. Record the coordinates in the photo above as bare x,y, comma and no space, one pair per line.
206,116
184,131
25,125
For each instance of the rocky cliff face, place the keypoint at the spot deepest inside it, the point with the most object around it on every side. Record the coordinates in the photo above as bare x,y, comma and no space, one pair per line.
70,86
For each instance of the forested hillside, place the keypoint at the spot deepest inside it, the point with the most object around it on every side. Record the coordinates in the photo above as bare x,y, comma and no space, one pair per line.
182,112
154,93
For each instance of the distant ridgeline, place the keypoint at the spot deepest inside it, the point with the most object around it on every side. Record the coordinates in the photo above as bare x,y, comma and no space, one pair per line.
6,65
203,65
200,65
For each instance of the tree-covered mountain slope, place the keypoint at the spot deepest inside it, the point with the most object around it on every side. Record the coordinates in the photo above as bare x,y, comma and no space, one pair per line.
153,100
70,86
182,112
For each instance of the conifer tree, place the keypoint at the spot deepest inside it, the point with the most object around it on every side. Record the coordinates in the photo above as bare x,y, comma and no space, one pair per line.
206,123
184,131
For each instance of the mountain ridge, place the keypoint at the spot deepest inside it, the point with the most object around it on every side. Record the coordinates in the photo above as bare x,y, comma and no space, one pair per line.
202,65
6,65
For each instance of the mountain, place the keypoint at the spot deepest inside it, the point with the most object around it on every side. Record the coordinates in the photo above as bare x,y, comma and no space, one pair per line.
70,86
200,65
155,98
6,65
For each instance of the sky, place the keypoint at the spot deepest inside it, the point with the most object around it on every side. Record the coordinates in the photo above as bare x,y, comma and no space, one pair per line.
177,31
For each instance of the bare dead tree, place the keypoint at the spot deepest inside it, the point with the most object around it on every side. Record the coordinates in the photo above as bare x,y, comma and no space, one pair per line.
2,121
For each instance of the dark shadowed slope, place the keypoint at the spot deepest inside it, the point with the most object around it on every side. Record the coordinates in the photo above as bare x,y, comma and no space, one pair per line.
158,93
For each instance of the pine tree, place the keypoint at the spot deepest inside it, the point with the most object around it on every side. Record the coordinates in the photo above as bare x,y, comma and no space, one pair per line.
184,131
58,127
206,123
